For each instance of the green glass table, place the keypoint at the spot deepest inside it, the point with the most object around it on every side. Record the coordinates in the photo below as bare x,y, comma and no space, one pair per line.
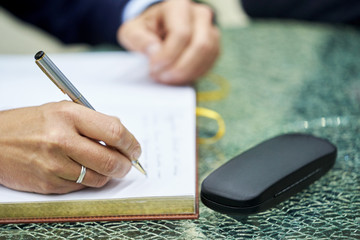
283,77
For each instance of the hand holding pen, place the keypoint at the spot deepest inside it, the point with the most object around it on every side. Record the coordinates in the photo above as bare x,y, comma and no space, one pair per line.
43,148
59,79
54,148
118,139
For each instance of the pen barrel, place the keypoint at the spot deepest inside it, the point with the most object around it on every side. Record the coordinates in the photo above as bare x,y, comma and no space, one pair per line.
60,80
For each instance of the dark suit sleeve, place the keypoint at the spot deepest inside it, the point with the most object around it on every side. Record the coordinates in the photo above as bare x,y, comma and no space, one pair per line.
72,21
329,11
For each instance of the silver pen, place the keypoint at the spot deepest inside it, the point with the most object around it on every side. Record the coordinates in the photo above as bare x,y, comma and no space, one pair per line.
61,81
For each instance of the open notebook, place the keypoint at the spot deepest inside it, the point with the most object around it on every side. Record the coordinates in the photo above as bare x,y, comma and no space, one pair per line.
161,117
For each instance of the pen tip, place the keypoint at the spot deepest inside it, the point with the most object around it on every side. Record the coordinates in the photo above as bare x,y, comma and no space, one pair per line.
39,55
138,166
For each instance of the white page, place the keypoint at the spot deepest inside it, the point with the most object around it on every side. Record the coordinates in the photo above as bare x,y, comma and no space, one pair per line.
161,117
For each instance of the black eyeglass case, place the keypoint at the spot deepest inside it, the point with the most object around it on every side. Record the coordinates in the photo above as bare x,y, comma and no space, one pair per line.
267,174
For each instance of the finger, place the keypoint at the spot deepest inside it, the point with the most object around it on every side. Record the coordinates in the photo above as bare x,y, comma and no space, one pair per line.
201,54
54,184
101,161
136,35
203,69
58,186
108,129
93,179
177,20
71,171
176,76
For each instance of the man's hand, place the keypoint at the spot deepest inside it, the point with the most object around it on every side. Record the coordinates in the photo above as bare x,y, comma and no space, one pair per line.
179,38
43,148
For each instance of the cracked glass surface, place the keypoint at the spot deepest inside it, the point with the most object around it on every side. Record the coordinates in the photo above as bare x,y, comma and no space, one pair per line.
284,77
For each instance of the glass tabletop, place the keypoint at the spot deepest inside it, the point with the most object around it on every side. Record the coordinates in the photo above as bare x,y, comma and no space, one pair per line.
283,77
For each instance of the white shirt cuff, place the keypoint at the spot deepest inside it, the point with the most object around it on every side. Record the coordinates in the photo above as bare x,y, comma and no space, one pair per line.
135,7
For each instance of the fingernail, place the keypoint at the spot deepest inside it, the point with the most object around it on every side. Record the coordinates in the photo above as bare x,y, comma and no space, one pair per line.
153,49
136,154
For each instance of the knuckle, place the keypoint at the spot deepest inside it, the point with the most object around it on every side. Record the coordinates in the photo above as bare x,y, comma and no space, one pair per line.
54,140
48,170
116,129
100,181
119,134
63,109
203,46
131,145
68,111
110,166
205,10
183,33
55,169
52,136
